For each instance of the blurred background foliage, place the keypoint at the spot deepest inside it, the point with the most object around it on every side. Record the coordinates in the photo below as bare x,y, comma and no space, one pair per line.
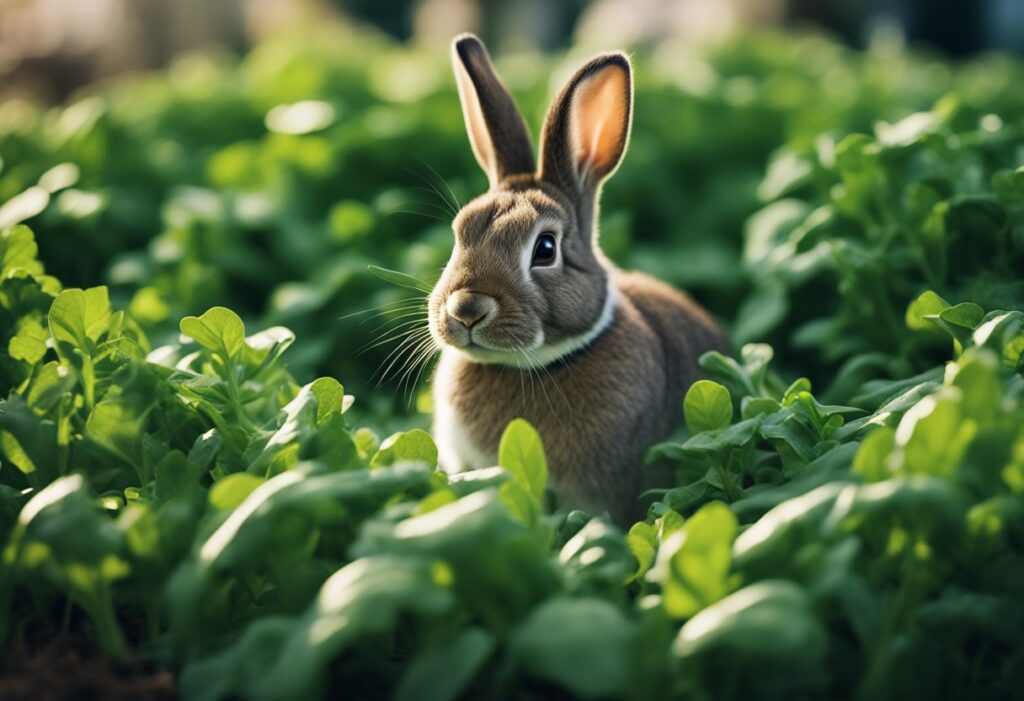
285,148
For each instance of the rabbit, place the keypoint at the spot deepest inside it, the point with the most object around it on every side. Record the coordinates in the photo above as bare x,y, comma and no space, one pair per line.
533,321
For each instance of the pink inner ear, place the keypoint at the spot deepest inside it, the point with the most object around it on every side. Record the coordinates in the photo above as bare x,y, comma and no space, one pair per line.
599,118
479,137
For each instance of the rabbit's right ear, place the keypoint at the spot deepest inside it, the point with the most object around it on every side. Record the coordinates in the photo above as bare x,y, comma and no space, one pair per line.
587,127
497,131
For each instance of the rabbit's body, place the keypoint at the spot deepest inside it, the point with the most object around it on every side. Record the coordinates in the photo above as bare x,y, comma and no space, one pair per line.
534,321
597,410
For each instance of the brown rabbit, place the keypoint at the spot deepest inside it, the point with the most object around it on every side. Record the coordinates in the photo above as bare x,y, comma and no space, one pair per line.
533,320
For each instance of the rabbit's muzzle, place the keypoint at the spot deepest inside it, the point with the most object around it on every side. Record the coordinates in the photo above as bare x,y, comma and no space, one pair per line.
466,312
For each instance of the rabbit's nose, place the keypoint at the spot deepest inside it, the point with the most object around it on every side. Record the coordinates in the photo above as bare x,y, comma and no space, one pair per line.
471,308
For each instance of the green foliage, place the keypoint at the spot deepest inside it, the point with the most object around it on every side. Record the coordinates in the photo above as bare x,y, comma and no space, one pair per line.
171,492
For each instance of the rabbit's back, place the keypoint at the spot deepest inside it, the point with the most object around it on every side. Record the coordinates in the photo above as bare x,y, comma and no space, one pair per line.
684,329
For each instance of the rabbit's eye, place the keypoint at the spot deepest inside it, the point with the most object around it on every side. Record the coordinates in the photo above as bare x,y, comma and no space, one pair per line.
544,251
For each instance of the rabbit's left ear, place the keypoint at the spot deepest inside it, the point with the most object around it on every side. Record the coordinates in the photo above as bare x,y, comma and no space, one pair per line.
497,131
587,127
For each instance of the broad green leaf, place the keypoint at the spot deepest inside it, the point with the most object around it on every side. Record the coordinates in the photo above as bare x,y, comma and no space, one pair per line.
79,548
330,396
965,314
596,557
230,492
53,384
362,599
117,425
728,371
872,461
643,543
766,634
26,348
366,441
693,565
927,303
519,502
219,330
521,452
442,672
934,434
80,316
581,645
415,445
707,406
28,442
976,375
251,526
176,477
735,436
18,251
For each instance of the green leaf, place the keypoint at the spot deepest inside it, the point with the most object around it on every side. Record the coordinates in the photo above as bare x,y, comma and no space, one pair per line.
415,446
934,436
872,459
765,634
966,314
580,645
927,304
330,397
18,251
735,436
521,452
52,384
694,563
643,543
177,477
231,491
976,375
117,425
362,599
26,348
726,369
28,442
80,316
442,672
596,557
519,502
219,330
707,406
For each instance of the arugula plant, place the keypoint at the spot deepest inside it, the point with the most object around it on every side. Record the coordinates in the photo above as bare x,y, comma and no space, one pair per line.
182,492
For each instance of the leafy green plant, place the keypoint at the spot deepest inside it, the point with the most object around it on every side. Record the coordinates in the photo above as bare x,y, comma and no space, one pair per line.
183,493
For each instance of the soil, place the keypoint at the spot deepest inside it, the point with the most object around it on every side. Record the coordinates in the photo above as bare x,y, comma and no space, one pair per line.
65,670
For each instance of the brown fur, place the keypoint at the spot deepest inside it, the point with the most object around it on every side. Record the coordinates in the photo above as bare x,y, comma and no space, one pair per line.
600,406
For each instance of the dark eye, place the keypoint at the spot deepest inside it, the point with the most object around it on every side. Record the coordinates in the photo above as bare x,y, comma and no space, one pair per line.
544,251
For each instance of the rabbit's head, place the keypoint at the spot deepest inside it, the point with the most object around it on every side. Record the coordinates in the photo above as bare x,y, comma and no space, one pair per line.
526,283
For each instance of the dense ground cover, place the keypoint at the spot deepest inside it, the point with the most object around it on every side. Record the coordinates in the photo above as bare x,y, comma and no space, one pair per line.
179,489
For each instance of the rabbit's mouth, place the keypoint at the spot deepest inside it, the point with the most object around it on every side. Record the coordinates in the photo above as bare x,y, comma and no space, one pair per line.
488,351
491,346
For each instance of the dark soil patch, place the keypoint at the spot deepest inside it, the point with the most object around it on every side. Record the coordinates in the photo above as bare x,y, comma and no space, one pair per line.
64,670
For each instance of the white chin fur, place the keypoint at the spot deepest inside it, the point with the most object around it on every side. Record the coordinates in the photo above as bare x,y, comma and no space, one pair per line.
539,355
